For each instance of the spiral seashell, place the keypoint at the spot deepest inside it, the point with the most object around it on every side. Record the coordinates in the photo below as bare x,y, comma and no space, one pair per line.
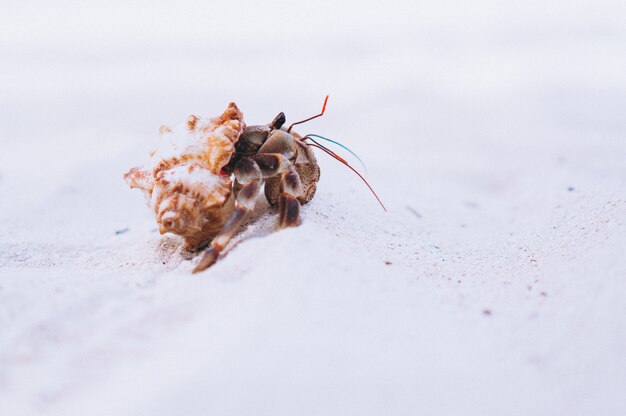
184,184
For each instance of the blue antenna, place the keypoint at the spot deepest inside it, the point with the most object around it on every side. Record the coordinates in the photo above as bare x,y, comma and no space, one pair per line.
338,144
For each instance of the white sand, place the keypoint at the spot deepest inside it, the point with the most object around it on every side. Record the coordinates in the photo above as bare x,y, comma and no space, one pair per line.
494,134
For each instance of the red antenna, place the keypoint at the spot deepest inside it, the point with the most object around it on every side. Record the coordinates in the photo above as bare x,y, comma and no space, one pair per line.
310,118
339,158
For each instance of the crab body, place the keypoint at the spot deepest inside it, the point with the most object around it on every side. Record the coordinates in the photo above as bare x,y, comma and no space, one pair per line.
205,175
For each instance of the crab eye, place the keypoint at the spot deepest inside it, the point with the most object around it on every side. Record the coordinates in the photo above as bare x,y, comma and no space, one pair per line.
278,121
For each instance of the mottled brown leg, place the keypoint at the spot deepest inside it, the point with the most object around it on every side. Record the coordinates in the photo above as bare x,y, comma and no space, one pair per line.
288,204
249,174
249,180
277,165
289,211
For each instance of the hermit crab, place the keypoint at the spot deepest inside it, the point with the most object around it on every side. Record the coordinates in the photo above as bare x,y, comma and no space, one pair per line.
206,174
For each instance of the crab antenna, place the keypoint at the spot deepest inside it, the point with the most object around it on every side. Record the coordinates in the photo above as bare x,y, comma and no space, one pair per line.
339,158
310,118
308,136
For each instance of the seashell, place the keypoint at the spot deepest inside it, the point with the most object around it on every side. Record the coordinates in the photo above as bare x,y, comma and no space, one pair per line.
184,183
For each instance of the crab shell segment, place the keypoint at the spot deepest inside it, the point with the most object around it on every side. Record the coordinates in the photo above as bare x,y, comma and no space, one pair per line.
183,183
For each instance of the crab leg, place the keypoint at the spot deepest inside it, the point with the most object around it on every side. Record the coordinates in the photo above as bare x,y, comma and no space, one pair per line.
282,146
276,165
250,173
249,181
288,203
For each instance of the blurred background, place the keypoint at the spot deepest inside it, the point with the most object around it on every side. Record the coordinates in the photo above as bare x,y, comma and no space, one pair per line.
83,80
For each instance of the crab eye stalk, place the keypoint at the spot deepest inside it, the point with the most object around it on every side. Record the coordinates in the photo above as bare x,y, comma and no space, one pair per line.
278,121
